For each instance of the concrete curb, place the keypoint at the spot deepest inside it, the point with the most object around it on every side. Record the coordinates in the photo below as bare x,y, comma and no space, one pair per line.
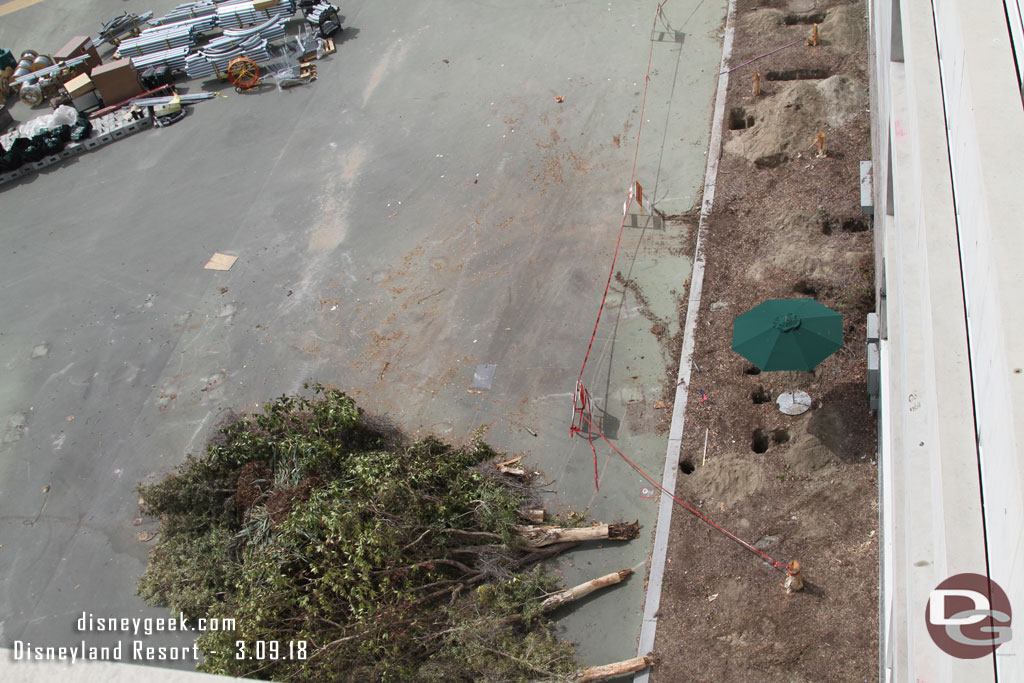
656,577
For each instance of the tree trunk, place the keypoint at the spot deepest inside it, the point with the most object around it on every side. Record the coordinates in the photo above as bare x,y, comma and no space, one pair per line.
538,536
577,592
532,516
599,673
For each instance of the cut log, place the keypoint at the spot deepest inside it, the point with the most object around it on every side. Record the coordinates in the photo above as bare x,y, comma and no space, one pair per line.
624,531
507,467
577,592
532,516
538,536
599,673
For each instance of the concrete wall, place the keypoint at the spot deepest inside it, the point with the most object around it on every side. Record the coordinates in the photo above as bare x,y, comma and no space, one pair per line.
935,200
986,140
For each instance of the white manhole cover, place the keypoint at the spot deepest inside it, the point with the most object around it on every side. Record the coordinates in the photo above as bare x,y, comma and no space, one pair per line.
794,402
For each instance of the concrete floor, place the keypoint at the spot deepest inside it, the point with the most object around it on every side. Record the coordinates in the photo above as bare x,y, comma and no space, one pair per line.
424,207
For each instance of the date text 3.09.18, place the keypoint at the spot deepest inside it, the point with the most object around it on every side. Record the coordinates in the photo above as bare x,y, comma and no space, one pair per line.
270,650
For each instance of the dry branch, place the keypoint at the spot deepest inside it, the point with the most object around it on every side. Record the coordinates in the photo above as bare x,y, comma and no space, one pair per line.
539,536
599,673
585,588
506,467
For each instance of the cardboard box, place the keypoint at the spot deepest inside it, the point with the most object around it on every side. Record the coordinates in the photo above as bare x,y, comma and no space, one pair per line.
78,46
116,81
79,85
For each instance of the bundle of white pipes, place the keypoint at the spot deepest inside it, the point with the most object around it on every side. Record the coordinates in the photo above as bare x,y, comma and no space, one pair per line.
215,61
162,38
172,59
244,13
190,10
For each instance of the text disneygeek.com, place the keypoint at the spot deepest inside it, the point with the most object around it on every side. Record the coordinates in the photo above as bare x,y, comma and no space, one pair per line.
130,650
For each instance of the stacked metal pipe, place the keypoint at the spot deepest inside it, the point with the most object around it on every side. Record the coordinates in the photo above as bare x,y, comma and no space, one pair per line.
313,13
33,76
214,59
272,29
189,10
126,23
237,14
190,98
159,39
172,59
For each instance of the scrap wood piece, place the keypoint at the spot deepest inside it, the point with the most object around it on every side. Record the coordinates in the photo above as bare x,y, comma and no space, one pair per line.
599,673
539,536
535,516
584,589
220,261
506,467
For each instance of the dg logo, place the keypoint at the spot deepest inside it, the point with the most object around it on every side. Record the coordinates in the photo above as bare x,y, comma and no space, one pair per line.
968,616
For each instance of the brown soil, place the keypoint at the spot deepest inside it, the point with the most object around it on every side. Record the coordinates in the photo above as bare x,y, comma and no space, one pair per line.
254,480
282,501
785,224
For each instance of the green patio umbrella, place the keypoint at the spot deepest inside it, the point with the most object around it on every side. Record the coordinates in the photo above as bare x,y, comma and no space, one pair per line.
788,334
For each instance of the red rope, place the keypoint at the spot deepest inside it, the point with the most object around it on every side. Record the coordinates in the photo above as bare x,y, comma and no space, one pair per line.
581,403
629,195
729,71
775,563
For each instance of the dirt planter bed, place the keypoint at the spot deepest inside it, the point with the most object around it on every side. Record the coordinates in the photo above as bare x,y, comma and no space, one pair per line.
784,224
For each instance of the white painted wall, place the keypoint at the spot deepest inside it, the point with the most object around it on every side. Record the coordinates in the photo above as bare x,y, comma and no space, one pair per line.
951,195
986,140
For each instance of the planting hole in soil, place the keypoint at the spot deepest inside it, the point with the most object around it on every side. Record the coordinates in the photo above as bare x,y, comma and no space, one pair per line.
780,435
811,18
858,224
805,74
740,119
805,287
771,161
752,370
760,395
686,466
761,441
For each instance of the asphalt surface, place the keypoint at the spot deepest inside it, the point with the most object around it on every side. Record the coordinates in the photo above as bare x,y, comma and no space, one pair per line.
425,207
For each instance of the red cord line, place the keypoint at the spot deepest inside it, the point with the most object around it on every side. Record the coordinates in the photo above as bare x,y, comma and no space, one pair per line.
629,195
775,563
729,71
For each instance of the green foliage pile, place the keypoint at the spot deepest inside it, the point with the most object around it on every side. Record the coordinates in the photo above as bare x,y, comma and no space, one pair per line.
391,561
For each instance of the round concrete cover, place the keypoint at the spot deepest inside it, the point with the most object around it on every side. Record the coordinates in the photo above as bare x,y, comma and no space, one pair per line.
794,402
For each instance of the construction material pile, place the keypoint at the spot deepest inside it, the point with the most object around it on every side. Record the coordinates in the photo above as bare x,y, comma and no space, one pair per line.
248,27
239,14
252,43
190,10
